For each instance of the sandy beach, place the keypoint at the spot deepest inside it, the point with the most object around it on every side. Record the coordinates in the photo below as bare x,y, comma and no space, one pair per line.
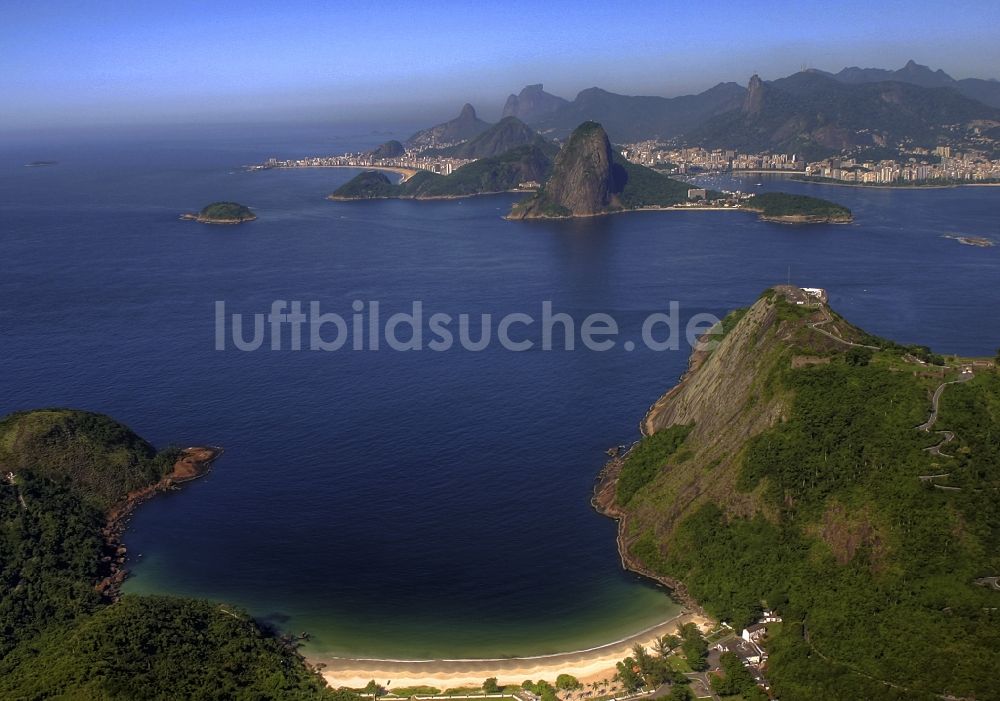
586,665
404,173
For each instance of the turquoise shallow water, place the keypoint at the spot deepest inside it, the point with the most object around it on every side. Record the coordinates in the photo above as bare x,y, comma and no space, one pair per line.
417,504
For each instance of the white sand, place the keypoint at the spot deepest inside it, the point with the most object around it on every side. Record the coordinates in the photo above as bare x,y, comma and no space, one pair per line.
592,664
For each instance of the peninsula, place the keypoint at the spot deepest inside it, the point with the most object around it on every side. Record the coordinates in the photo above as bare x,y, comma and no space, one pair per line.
794,468
222,213
589,178
68,480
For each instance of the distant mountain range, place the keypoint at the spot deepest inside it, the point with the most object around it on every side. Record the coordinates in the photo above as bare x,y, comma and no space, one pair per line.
812,113
508,133
985,91
625,117
462,128
815,114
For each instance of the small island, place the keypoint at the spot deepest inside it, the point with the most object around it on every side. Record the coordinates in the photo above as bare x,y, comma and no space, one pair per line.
978,241
222,213
786,208
41,164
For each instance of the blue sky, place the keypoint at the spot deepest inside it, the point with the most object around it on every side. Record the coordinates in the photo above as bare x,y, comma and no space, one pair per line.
149,62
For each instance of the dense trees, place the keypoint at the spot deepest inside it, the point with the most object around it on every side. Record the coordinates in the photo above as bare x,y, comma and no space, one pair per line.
646,459
693,646
160,648
567,682
735,678
879,564
50,551
783,204
57,638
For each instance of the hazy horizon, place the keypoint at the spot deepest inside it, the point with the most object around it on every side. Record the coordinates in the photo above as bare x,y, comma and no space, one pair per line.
97,64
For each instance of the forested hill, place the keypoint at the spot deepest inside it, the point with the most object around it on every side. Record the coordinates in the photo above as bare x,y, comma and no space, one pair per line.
791,469
60,472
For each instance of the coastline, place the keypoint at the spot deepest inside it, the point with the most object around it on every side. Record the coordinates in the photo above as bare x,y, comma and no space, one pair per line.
404,172
191,216
866,186
431,198
587,665
603,503
790,219
191,463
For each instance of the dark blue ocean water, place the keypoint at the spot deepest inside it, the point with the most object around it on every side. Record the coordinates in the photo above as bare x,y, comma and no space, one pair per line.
407,504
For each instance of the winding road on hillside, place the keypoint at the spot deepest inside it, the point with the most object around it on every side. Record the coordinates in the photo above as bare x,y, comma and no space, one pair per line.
947,436
936,401
816,327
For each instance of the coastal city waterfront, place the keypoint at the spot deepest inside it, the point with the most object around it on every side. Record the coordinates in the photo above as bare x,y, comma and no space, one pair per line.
940,165
405,165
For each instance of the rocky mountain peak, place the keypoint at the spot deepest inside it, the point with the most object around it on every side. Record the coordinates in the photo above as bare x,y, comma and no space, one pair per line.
754,99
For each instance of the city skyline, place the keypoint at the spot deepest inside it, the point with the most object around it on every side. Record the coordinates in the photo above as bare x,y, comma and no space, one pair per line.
67,64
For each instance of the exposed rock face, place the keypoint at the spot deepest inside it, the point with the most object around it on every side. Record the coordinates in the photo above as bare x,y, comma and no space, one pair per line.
585,179
390,149
754,99
465,126
722,398
532,103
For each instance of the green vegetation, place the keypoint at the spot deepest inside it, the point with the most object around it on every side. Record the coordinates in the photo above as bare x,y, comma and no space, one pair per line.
390,149
589,177
487,175
226,212
816,116
497,174
644,187
784,205
464,691
50,557
369,185
646,459
101,458
567,682
509,133
160,648
542,688
407,691
643,670
57,637
736,680
728,323
693,646
490,686
826,518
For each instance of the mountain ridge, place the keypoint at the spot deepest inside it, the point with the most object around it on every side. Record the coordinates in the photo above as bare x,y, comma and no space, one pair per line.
790,467
462,128
815,115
